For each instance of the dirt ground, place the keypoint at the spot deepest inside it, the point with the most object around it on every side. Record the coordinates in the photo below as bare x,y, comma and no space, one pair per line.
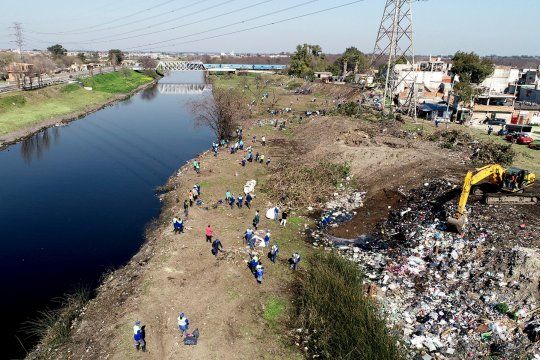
177,272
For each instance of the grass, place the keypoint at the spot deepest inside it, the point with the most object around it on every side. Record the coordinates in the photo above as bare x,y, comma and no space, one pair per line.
23,109
117,82
342,321
273,311
53,326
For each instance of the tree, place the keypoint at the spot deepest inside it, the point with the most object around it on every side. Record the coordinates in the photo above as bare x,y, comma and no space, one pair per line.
147,62
94,56
116,57
82,57
126,72
57,51
352,60
307,59
471,68
223,112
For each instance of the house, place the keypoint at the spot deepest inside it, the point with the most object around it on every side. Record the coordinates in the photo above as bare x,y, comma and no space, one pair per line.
323,75
432,111
501,79
529,93
16,71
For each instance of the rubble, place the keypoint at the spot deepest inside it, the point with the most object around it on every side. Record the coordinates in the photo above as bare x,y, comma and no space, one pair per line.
451,296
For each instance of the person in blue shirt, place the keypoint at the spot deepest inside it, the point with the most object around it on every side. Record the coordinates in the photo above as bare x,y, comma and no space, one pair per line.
273,253
240,201
243,162
267,238
241,144
259,271
231,201
183,323
249,198
138,336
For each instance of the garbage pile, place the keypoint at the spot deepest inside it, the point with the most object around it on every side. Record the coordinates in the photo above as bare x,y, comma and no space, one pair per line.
450,296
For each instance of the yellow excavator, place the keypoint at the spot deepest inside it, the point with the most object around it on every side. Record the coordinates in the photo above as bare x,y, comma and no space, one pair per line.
510,181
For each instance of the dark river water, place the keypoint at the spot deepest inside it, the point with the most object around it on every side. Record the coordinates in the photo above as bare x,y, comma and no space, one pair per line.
74,200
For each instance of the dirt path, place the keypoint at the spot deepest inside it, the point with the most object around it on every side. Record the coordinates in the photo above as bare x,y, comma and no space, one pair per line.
177,272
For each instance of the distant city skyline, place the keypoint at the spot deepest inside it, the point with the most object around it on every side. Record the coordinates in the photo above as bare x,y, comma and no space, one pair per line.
483,26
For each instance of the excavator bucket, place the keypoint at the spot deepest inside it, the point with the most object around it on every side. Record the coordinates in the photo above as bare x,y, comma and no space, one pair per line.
457,223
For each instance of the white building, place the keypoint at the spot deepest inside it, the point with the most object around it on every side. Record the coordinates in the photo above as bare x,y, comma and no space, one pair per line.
500,80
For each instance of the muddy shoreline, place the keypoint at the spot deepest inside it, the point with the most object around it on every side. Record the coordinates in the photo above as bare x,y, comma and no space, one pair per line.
23,134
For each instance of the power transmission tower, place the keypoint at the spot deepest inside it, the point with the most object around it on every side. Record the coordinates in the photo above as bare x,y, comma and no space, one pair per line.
19,37
395,45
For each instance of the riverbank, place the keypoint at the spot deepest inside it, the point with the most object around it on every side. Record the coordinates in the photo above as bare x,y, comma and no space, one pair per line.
25,113
238,318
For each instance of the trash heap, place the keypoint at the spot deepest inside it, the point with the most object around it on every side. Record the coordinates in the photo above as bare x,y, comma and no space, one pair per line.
450,296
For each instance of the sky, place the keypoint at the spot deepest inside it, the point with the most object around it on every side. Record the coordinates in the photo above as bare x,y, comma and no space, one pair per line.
440,26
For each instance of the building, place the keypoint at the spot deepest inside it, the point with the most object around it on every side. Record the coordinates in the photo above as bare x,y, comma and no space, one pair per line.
17,71
500,81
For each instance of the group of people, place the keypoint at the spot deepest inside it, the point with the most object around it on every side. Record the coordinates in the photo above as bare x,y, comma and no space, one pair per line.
238,201
193,197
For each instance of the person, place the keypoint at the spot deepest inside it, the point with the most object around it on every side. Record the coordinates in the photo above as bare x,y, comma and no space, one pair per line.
190,198
240,201
267,238
253,262
294,260
216,247
186,208
263,141
231,201
250,156
257,156
256,219
138,336
276,213
198,187
267,162
490,129
273,253
249,198
244,161
195,193
254,138
262,159
180,225
259,271
437,122
175,224
241,144
227,195
209,232
195,164
183,323
248,235
284,216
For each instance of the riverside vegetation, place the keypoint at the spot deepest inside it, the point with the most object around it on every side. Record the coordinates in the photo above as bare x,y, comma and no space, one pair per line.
24,109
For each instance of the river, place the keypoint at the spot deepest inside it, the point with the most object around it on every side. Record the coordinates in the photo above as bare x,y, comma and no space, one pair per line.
74,200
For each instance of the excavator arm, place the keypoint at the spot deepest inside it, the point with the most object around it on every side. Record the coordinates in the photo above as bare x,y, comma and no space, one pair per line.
495,174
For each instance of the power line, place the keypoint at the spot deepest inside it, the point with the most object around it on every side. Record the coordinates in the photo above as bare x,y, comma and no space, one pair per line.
228,25
260,26
107,22
146,18
92,41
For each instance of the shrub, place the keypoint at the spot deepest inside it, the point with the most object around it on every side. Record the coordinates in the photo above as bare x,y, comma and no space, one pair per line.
342,321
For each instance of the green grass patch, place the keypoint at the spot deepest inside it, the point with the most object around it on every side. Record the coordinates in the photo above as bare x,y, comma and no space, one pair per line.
117,82
343,322
273,310
70,88
11,102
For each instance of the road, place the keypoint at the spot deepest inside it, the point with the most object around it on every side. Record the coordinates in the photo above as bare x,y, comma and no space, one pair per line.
61,78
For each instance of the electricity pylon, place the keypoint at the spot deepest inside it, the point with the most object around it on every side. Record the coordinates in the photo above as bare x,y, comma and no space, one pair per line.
395,44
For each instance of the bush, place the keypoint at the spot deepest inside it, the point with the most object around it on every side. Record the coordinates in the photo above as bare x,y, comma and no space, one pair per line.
342,321
293,85
350,108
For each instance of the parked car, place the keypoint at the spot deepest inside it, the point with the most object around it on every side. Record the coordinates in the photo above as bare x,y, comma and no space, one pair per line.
519,138
535,145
